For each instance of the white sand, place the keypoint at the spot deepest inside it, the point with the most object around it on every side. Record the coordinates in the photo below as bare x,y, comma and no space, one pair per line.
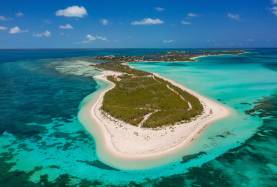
125,146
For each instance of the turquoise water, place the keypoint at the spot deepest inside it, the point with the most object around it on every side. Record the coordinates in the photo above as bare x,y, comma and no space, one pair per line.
42,142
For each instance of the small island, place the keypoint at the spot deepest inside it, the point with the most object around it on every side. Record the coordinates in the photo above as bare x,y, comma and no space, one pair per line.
143,120
169,56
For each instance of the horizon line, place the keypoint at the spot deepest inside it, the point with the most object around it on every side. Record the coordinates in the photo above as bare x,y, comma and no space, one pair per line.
58,48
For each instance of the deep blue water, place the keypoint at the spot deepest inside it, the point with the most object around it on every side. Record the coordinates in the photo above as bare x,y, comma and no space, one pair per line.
33,54
42,143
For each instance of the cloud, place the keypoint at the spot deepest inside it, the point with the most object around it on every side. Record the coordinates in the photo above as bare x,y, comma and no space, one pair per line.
274,10
101,38
148,21
3,18
189,16
232,16
159,9
168,41
192,15
45,34
90,38
2,28
185,22
16,30
19,14
104,22
72,11
66,26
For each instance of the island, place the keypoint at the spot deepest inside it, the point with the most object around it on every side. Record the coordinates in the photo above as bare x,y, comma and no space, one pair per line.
141,119
169,56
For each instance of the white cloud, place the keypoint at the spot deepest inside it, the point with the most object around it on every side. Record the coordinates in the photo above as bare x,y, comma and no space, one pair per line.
274,10
101,38
43,34
235,17
2,28
72,11
19,14
16,30
148,21
168,41
3,18
66,26
90,38
159,9
104,22
185,22
191,15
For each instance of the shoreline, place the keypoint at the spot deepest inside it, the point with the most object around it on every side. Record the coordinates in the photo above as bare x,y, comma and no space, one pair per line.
207,55
128,147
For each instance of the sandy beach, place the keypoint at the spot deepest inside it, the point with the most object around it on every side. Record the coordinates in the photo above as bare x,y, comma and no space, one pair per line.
127,147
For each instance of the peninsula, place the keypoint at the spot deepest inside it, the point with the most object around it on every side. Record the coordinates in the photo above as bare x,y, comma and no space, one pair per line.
143,120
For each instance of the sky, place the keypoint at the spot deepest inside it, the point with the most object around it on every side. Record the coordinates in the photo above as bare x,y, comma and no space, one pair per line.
138,24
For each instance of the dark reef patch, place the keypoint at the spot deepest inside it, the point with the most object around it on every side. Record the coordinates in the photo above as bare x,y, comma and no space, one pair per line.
266,107
192,156
245,103
16,178
272,66
98,164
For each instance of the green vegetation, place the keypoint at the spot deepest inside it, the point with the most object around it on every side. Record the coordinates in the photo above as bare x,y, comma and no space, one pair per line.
117,66
169,56
138,94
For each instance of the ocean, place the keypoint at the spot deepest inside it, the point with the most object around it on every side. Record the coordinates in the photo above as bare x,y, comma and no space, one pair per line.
43,143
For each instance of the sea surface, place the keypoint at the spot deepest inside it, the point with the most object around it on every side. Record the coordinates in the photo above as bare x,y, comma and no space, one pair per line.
42,143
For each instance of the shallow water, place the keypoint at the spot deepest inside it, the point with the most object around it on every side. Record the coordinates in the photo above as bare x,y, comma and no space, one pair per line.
42,142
